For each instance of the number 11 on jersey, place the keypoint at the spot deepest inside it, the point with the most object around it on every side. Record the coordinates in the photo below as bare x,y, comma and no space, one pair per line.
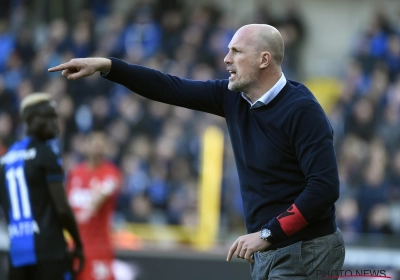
16,182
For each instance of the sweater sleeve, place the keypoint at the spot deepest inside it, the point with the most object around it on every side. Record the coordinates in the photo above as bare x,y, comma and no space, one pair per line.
311,137
205,96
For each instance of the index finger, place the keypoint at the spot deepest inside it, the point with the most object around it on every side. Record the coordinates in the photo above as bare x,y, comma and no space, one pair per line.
60,67
232,251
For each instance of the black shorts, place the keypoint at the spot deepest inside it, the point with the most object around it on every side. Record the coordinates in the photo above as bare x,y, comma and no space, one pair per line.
48,270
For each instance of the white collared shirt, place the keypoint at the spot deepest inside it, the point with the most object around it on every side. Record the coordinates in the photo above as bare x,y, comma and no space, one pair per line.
269,95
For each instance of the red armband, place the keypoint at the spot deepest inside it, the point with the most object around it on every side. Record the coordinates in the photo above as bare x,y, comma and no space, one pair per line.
292,220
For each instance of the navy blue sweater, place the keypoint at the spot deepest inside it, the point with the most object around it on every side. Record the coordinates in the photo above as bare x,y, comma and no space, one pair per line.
284,150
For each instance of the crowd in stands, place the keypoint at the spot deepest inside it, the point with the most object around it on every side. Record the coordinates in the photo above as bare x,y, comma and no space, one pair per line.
157,146
367,125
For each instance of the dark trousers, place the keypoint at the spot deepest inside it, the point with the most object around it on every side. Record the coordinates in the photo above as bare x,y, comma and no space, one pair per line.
311,259
49,270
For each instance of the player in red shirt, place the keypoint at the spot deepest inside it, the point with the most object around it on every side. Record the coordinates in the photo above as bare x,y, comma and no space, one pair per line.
92,187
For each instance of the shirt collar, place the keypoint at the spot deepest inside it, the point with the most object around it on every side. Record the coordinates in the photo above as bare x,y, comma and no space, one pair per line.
269,95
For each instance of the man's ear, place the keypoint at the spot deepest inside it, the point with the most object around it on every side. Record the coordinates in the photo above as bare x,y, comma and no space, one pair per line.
265,59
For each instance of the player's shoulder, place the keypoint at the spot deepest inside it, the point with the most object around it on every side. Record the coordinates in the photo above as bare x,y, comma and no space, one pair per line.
302,98
41,146
21,150
48,152
222,83
44,152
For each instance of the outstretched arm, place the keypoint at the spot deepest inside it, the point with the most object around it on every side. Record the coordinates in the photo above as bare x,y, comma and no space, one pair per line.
205,96
83,67
101,192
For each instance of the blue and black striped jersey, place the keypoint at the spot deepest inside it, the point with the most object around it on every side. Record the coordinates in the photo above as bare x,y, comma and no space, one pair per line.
35,232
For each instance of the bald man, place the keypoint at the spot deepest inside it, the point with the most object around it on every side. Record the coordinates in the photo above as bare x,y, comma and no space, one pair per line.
283,146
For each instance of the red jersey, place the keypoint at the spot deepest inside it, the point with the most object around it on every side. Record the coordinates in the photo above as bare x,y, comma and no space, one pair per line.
83,181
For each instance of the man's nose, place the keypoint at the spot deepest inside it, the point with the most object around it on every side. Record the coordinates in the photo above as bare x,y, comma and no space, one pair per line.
227,59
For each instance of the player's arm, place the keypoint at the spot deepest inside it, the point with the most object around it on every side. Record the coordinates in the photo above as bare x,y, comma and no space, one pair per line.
99,198
64,211
101,192
312,142
55,182
205,96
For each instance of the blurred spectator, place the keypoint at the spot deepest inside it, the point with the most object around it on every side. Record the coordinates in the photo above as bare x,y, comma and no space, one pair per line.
373,191
100,109
7,44
81,44
348,217
395,170
362,120
140,209
8,101
24,46
58,35
379,220
142,35
109,35
171,24
372,44
352,153
6,129
392,57
293,33
389,129
15,71
98,7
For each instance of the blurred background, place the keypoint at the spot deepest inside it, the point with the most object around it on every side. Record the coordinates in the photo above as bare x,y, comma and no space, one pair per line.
346,52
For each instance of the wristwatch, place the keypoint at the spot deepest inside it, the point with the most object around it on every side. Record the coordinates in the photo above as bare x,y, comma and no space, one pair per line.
266,235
